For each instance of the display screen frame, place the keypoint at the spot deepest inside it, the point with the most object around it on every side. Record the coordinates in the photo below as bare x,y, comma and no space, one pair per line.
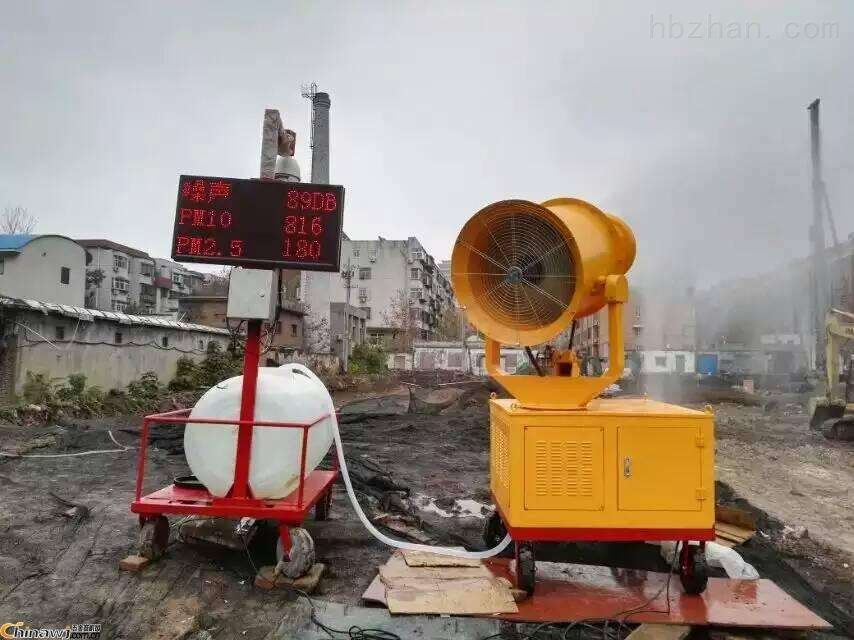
243,222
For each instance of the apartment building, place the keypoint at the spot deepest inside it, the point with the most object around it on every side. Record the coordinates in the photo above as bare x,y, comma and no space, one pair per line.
395,284
288,332
125,279
659,333
172,281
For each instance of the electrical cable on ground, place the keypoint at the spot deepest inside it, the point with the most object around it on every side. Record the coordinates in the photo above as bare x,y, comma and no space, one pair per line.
6,454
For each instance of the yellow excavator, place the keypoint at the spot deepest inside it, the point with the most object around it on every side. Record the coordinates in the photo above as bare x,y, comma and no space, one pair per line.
834,413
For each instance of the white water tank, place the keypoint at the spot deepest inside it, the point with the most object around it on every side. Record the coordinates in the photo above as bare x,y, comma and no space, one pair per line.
290,393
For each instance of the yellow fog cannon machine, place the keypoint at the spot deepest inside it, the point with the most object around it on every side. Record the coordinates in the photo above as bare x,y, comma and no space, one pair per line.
566,465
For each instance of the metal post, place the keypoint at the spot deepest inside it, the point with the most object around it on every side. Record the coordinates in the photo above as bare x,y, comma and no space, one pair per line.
820,284
251,359
347,275
275,140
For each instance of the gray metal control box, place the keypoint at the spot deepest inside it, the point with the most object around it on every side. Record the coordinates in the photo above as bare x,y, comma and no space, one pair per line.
252,294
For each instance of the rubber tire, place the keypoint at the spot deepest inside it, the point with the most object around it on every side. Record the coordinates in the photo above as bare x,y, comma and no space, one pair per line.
695,581
526,567
301,557
323,506
494,530
154,537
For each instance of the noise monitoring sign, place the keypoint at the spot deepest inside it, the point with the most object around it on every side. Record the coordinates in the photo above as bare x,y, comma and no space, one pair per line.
257,223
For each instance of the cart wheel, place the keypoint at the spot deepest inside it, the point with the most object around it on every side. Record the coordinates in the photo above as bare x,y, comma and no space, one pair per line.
301,557
323,506
154,537
526,569
693,571
494,530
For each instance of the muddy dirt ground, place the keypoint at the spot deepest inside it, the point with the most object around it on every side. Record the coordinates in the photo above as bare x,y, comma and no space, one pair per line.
59,570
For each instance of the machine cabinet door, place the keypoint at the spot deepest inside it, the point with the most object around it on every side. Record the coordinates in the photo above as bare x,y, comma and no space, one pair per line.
660,468
564,468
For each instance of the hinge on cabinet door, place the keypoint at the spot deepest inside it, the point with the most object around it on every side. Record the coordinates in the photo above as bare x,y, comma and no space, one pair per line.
700,441
700,494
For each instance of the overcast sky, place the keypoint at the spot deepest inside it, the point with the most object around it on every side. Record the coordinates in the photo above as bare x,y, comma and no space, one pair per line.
438,108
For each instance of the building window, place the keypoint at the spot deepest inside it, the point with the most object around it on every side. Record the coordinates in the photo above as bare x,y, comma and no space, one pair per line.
363,294
364,273
59,333
118,338
414,293
164,341
415,274
417,254
146,269
637,330
367,310
64,275
119,305
120,284
120,262
660,361
201,345
293,330
355,253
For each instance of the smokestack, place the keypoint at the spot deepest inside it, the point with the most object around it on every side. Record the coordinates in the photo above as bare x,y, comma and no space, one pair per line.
320,151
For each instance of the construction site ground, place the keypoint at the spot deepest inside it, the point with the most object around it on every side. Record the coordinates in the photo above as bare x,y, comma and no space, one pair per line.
59,565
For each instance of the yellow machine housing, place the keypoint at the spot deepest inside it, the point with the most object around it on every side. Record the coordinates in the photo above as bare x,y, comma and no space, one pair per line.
564,464
622,469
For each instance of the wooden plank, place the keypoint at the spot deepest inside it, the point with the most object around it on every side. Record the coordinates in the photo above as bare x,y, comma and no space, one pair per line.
425,559
738,517
481,596
397,568
649,631
732,531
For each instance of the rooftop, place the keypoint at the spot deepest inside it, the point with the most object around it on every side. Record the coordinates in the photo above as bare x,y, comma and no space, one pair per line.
91,315
14,242
101,243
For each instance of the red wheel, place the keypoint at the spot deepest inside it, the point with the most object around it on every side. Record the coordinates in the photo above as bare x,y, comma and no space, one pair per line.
526,568
693,571
300,557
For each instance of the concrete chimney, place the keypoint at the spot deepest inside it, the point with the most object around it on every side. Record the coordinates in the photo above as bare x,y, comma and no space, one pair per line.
320,152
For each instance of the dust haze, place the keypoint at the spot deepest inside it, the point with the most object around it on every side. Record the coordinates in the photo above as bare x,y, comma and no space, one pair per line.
700,142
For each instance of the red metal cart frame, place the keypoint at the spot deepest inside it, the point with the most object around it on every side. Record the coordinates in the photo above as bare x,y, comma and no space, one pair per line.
315,488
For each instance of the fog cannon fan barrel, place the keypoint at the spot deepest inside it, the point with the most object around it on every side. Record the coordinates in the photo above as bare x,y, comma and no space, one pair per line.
524,271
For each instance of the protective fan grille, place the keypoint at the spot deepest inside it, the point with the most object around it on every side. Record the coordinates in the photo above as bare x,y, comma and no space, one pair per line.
522,272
